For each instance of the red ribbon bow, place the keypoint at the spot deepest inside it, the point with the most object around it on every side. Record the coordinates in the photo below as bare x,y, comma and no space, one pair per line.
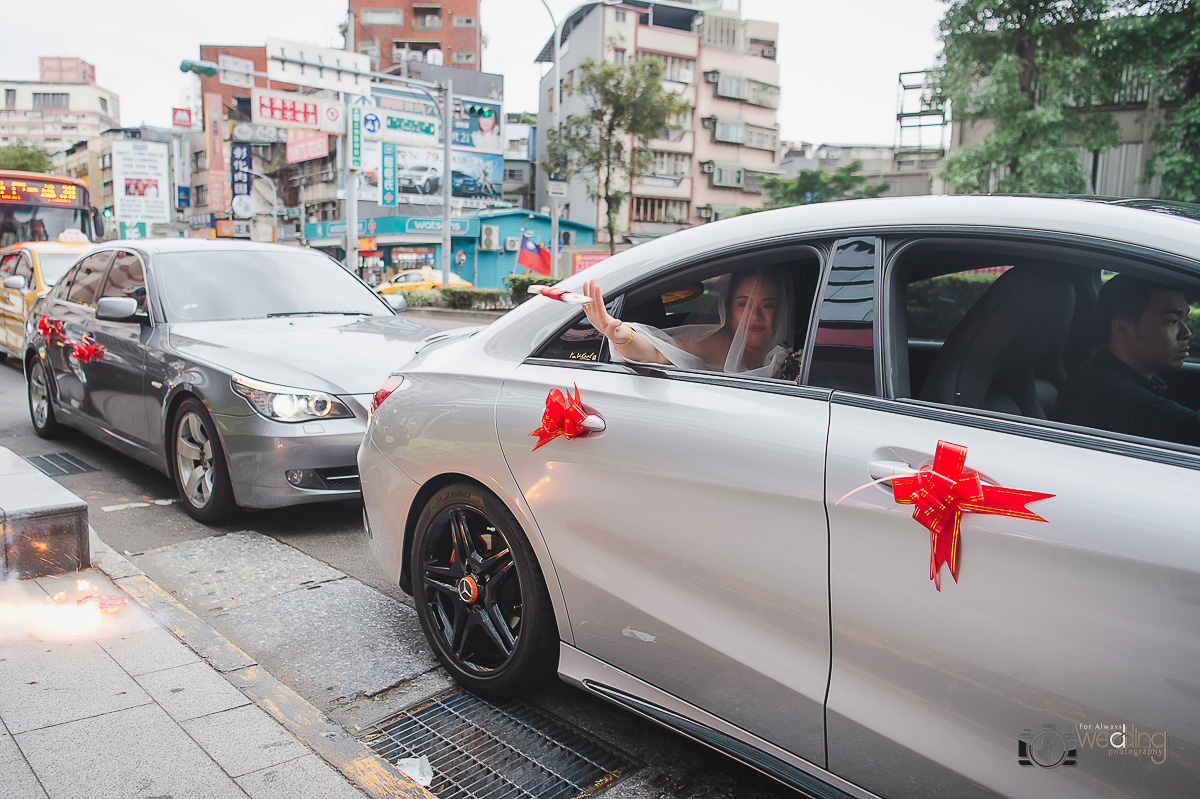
51,329
943,492
88,350
563,416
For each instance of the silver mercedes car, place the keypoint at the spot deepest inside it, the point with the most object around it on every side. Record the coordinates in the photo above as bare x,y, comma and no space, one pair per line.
242,370
946,545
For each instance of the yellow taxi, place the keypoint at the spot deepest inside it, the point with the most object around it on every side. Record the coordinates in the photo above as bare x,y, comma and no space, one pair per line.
423,278
28,269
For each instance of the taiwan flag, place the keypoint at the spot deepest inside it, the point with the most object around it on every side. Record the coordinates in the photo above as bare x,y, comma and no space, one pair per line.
533,256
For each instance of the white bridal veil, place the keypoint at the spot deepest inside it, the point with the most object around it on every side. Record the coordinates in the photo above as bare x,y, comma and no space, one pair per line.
688,345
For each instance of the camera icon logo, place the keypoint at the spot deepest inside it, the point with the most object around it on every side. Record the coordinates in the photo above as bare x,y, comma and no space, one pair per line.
1047,747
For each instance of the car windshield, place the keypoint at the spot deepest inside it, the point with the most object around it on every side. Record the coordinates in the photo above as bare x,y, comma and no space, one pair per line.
254,284
55,264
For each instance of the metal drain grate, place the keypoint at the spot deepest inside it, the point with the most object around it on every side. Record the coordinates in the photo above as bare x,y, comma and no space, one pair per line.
497,750
60,463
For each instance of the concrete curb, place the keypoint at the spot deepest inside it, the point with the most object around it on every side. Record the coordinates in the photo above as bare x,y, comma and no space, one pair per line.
366,770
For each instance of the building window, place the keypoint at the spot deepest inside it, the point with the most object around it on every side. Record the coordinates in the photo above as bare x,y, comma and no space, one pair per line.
735,87
107,187
381,16
200,161
676,68
659,209
106,160
679,125
200,194
763,94
10,98
762,138
729,177
464,58
670,164
754,181
464,22
51,100
618,56
370,49
514,175
729,131
619,16
104,104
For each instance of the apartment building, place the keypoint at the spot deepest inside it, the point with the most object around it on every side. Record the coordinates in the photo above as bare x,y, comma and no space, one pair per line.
393,32
62,107
713,164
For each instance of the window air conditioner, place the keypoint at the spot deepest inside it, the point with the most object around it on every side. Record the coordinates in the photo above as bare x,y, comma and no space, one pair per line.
512,243
489,237
768,52
712,76
707,167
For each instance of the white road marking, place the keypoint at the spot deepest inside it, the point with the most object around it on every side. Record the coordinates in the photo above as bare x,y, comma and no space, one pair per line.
110,508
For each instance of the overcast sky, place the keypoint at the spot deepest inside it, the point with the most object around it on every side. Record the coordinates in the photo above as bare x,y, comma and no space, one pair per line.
839,61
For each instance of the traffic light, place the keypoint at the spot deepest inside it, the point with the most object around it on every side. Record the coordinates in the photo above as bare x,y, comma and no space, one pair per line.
199,67
108,212
479,111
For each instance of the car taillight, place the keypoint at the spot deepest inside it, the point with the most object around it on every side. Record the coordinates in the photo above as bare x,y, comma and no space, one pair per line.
385,391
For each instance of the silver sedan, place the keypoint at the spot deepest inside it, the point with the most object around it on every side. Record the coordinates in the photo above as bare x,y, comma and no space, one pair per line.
891,563
244,371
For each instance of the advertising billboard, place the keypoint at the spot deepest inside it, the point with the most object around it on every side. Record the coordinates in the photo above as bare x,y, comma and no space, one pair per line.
141,181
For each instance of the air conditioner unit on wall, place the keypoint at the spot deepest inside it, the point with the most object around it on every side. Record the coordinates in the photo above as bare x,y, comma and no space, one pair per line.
489,237
512,243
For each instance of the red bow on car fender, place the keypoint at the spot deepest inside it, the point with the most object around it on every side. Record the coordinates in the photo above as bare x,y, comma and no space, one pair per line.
563,416
88,350
943,492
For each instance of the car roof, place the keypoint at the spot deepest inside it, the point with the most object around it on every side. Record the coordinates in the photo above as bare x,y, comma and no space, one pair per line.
50,246
172,245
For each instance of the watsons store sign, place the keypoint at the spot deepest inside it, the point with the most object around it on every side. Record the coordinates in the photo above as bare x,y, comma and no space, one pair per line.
392,225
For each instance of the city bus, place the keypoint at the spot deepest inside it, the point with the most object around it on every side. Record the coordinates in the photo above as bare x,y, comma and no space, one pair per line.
38,207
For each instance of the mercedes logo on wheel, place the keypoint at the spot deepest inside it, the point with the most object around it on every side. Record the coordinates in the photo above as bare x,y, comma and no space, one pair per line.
467,589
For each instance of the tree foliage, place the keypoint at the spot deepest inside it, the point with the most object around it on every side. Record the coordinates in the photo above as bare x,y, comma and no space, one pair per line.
1033,69
819,186
1162,39
26,157
627,106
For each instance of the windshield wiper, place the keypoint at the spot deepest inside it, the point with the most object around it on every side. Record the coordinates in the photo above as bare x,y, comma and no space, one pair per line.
315,313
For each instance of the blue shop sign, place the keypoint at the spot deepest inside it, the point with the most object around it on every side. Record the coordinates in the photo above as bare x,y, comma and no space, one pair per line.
391,225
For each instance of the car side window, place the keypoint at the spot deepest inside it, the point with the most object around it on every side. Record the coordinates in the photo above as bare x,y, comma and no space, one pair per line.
1027,330
24,269
692,315
85,286
8,265
126,279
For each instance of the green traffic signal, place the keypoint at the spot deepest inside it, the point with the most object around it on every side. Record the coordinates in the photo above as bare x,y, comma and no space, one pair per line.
480,111
108,212
199,67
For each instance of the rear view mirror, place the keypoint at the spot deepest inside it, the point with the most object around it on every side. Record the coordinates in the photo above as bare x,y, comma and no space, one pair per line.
15,282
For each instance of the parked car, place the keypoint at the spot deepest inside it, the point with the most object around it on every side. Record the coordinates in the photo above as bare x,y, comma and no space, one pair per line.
421,279
420,178
737,556
242,370
29,269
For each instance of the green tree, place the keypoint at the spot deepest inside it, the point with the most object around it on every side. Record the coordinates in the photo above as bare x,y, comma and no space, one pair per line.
24,156
1032,69
1161,38
627,106
819,186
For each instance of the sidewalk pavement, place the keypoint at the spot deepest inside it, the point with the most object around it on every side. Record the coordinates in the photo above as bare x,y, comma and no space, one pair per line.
131,710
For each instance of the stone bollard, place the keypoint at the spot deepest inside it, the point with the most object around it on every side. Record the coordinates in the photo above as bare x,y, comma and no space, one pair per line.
45,525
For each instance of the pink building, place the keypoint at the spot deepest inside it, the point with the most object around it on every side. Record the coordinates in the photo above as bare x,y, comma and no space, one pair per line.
724,66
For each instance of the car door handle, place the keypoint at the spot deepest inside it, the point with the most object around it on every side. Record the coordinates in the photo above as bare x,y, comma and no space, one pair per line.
593,424
882,469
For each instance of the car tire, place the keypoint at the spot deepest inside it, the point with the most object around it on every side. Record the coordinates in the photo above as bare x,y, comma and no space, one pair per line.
490,622
198,465
41,406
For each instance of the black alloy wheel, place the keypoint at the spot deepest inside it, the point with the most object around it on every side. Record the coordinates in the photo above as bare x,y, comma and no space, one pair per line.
480,596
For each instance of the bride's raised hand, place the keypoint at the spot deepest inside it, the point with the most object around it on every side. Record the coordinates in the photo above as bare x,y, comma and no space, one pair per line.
596,313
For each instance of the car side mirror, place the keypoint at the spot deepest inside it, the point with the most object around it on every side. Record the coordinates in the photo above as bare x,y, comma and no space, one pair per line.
98,222
397,301
15,282
120,309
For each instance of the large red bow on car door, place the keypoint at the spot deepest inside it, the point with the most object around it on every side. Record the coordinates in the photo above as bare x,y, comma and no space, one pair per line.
943,492
87,350
563,416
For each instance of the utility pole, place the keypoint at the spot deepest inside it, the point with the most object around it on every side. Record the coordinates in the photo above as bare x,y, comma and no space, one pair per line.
350,212
447,177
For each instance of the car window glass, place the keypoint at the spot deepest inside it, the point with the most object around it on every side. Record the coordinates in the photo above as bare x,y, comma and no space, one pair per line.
54,265
86,286
1022,331
843,354
25,269
125,279
692,316
8,264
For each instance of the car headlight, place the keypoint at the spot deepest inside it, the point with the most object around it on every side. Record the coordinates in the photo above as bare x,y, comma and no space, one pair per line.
284,404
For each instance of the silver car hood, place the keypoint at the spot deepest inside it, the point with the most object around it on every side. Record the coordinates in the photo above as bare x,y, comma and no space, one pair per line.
339,354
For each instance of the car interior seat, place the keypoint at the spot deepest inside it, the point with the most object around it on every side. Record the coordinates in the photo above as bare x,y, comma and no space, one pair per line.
1006,353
